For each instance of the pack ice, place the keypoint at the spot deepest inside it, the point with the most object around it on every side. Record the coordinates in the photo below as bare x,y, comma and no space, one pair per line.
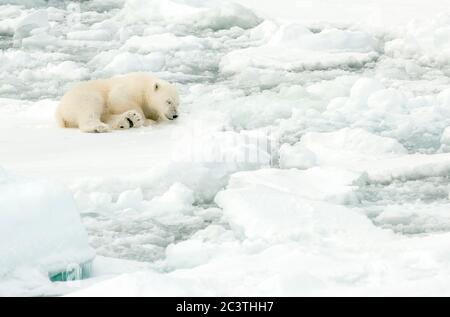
311,156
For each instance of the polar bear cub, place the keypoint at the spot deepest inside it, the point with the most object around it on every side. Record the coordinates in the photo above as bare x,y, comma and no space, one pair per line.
122,102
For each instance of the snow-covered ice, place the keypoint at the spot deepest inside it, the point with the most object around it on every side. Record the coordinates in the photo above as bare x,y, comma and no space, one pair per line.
40,229
311,157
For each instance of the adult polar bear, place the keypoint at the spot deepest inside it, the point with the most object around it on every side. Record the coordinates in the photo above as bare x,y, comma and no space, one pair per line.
122,102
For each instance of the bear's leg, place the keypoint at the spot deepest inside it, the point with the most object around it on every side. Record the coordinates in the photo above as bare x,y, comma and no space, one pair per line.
127,120
90,107
92,123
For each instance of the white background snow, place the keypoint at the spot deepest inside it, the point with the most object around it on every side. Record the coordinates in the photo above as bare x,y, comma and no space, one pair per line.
312,156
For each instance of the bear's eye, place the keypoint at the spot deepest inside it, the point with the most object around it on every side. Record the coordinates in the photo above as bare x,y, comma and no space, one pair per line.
169,102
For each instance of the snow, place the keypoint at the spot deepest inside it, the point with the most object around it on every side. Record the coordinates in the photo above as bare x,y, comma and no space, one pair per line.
311,156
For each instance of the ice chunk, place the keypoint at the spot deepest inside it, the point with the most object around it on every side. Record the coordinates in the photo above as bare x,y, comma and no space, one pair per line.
353,140
342,145
10,17
264,32
415,218
413,166
444,98
298,36
66,70
329,184
297,156
90,35
42,226
294,47
40,40
363,89
383,159
200,14
128,62
271,57
210,243
187,254
179,197
445,139
289,204
425,43
36,19
387,100
130,198
163,42
290,34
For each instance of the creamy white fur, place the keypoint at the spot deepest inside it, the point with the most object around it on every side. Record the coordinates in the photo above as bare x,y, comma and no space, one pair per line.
121,102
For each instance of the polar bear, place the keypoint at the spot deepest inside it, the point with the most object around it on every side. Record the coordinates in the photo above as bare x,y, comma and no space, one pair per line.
122,102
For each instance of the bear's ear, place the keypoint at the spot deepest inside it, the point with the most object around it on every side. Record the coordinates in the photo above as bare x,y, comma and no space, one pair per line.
156,87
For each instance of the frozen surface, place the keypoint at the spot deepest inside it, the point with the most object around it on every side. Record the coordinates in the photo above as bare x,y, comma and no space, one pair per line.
279,205
312,155
40,229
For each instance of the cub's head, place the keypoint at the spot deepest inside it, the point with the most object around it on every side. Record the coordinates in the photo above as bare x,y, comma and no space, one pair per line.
163,100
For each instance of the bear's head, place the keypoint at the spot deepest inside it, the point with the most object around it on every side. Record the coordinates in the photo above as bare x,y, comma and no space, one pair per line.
163,100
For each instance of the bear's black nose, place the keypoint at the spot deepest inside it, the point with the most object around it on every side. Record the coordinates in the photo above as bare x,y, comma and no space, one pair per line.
175,116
